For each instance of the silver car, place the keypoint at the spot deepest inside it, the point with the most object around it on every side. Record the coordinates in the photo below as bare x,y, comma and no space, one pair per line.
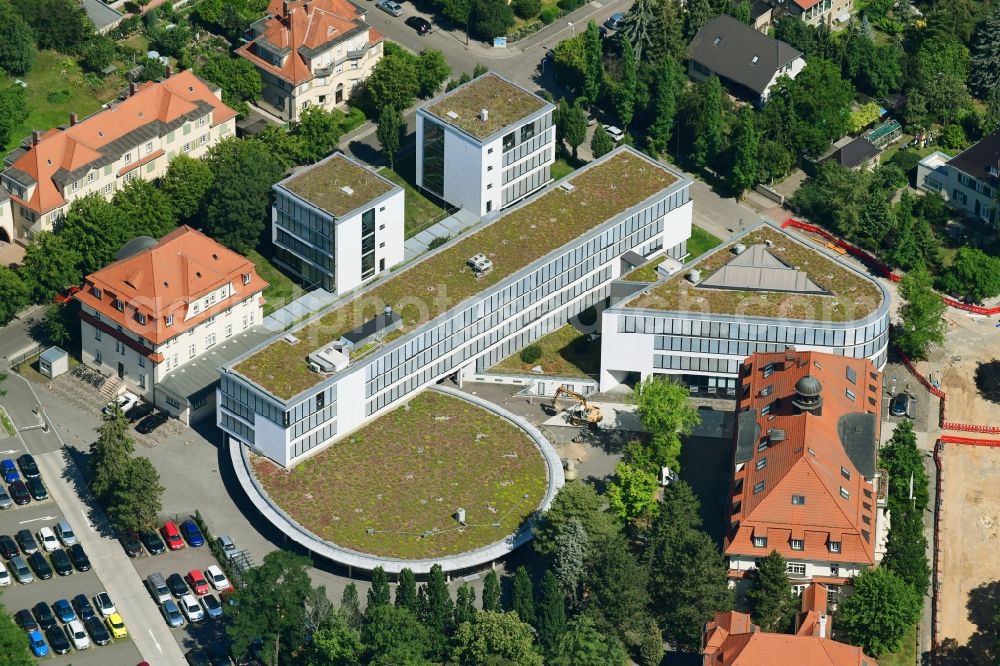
172,614
390,7
5,500
20,570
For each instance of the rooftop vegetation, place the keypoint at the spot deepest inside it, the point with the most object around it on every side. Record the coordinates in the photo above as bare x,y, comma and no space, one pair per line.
505,102
323,185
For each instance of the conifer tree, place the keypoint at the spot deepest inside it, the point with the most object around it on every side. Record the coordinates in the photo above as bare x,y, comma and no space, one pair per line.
550,614
491,592
523,599
406,590
378,594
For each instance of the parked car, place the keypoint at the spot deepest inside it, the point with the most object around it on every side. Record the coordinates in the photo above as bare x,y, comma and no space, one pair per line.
139,412
158,587
9,470
28,466
44,616
172,614
40,565
216,577
103,603
19,493
192,533
5,501
152,422
192,609
614,21
37,489
172,536
126,401
61,563
899,405
83,608
25,620
57,640
197,582
39,647
26,542
420,24
130,542
227,545
65,533
79,557
8,547
117,625
212,605
63,610
177,586
20,569
615,133
98,632
78,635
390,7
48,539
152,541
4,576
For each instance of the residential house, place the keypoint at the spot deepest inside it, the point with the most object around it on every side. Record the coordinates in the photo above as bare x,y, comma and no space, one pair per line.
748,62
969,181
311,53
856,154
804,476
135,136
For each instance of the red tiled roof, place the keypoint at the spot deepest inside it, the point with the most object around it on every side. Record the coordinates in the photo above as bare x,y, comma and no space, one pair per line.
805,4
808,462
180,269
82,144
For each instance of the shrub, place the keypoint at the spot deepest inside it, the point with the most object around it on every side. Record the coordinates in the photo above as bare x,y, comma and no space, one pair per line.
549,15
953,137
527,9
531,354
58,96
438,242
354,119
569,5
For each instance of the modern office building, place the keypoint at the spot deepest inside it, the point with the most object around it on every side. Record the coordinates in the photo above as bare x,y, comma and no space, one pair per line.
805,481
337,224
457,311
311,53
762,292
968,181
485,145
135,136
163,304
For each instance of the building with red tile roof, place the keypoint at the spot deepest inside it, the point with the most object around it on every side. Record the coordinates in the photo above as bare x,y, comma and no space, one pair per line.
805,481
311,53
135,136
162,305
731,639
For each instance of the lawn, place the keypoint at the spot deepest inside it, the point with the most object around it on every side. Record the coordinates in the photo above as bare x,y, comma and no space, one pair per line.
565,353
700,242
907,654
8,425
419,211
405,474
56,88
280,288
561,168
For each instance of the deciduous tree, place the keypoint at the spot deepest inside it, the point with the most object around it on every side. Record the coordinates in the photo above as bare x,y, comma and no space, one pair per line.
770,599
575,127
14,294
972,273
921,313
13,645
667,85
13,111
50,265
579,501
632,492
350,606
58,24
879,612
135,501
697,13
146,207
394,636
185,184
705,117
465,604
378,593
406,590
393,82
618,591
439,611
601,143
17,43
593,52
582,643
432,71
906,549
495,638
320,131
491,19
663,407
238,78
624,90
336,643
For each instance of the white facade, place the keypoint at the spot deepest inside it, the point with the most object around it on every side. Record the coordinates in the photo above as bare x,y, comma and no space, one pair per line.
964,192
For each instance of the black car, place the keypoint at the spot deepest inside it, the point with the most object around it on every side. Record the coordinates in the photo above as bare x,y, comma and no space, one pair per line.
8,547
79,557
61,563
26,541
98,632
177,585
28,466
84,610
899,405
140,411
37,488
152,541
57,640
19,493
421,25
40,565
25,620
44,615
151,423
130,542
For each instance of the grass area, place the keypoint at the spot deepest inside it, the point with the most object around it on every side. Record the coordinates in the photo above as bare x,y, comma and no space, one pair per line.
324,185
138,41
851,296
907,654
505,103
56,73
701,242
431,287
645,273
419,212
561,168
8,425
565,353
404,474
280,288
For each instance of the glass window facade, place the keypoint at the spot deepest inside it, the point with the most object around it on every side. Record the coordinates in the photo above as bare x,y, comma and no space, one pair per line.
433,166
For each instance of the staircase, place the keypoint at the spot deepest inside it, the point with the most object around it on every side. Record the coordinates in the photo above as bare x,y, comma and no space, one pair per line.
112,387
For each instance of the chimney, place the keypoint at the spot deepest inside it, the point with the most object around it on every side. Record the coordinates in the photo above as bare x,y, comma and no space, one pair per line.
822,626
72,119
132,88
484,115
168,71
284,8
35,136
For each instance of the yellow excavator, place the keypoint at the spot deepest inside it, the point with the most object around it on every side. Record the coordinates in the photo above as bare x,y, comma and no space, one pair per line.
580,412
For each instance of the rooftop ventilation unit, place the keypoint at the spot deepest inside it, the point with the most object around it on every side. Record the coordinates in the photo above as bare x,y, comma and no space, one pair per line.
290,339
694,275
328,359
567,186
347,190
484,115
480,264
739,248
452,115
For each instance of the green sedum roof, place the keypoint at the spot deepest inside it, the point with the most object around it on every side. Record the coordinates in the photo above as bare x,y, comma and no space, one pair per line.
505,103
323,185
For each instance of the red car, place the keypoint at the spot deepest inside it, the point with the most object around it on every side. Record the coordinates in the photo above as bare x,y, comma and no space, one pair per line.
172,536
197,582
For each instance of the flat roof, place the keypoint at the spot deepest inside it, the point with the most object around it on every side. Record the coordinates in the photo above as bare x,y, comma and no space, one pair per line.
426,289
338,185
849,295
505,102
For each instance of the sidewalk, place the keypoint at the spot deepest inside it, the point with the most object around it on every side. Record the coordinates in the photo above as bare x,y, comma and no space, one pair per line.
450,227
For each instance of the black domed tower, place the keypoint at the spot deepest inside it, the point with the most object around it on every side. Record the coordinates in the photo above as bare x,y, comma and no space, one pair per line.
808,395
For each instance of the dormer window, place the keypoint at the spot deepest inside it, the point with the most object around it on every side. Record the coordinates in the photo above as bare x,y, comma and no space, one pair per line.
96,291
169,320
834,546
798,544
246,278
141,318
119,305
760,542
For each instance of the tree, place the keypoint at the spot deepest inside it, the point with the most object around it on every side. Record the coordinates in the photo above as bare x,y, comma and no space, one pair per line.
439,611
110,455
393,82
13,647
170,41
378,593
287,149
640,25
17,44
406,590
624,92
746,145
902,459
135,501
390,133
13,110
99,52
14,294
819,100
146,208
350,606
58,24
770,598
706,119
526,9
394,636
336,643
579,501
879,612
490,19
185,184
876,220
668,82
863,117
921,313
550,614
491,592
972,273
601,143
465,604
575,127
570,62
320,131
632,493
457,11
495,638
270,607
593,53
618,591
49,266
991,120
237,200
582,643
319,610
906,549
238,78
432,71
663,408
570,557
523,598
877,70
698,13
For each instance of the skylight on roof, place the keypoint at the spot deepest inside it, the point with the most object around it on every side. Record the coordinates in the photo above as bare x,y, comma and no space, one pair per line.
754,60
452,115
716,41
